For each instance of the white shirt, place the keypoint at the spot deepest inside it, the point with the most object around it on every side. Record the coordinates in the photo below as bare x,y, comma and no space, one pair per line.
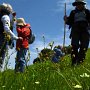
6,23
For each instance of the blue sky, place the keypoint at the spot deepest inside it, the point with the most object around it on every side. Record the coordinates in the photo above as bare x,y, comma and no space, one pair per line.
46,18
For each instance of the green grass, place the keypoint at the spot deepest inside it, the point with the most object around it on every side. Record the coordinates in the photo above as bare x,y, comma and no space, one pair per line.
48,76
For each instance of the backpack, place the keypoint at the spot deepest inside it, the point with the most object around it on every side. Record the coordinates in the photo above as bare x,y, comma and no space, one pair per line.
87,13
31,37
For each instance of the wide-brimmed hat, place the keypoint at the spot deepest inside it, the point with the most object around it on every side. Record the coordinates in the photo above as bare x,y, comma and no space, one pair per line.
21,22
78,2
7,7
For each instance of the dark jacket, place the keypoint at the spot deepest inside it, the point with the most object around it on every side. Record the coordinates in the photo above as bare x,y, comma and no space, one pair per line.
71,20
1,25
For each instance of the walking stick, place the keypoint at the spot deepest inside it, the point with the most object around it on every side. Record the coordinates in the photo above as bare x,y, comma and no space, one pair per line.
64,29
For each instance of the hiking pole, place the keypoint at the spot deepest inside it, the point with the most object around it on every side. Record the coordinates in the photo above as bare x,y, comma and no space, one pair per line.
64,28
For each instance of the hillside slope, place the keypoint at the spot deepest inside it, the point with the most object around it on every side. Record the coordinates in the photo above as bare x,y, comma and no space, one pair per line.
49,76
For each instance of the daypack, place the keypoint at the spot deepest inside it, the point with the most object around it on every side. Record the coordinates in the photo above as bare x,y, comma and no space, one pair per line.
31,37
86,12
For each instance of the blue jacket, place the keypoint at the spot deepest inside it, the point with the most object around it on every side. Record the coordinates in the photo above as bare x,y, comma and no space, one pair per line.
57,55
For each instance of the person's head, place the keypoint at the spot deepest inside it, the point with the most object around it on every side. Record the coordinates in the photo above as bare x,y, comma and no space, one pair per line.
20,22
79,4
58,47
6,8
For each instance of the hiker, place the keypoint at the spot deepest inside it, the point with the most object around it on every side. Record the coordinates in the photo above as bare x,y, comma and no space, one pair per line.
5,11
22,47
78,22
57,54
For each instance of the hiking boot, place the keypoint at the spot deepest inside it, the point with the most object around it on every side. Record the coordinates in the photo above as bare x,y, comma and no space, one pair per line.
74,62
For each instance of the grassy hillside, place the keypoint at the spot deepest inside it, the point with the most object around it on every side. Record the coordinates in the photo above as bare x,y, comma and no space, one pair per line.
49,76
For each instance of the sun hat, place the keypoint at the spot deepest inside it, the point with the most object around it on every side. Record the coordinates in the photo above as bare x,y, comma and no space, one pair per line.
6,6
78,1
21,21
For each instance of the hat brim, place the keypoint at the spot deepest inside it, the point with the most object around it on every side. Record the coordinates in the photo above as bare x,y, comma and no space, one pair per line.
20,24
75,3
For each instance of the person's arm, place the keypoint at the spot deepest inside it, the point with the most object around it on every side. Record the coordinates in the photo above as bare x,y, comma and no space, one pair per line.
88,16
70,18
6,23
18,29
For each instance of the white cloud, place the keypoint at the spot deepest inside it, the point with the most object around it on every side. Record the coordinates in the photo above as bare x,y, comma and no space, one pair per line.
61,5
58,40
38,44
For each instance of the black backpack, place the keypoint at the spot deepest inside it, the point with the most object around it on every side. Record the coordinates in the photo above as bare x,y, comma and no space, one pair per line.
31,37
87,13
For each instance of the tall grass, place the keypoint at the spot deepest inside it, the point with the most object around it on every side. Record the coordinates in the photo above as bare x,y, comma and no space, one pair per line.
49,76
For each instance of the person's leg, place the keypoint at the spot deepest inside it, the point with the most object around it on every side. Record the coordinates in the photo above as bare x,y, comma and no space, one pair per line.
74,47
22,66
21,59
3,47
74,54
17,63
83,46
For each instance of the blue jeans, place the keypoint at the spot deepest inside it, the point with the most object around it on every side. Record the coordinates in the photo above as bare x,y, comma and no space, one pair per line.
20,60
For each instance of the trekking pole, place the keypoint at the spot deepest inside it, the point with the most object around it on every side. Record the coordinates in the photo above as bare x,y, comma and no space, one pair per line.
64,28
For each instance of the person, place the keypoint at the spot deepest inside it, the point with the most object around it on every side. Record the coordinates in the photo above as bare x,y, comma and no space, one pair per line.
78,22
57,54
24,31
5,11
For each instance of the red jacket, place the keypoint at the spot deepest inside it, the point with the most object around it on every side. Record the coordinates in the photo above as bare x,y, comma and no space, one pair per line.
24,32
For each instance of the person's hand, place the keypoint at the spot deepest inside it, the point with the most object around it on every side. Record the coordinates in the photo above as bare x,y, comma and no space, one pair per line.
14,14
65,18
20,38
